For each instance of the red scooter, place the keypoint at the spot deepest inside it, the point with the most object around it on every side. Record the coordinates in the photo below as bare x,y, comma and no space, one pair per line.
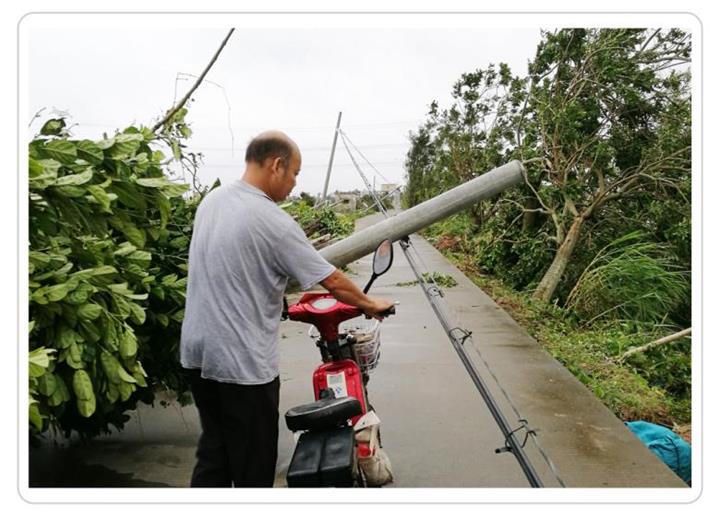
339,441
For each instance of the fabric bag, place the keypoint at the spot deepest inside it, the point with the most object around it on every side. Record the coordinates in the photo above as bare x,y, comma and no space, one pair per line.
376,467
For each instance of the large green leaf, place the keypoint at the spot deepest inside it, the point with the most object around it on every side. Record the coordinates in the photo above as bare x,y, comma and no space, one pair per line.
139,374
89,331
128,345
163,205
123,290
137,314
129,195
39,258
140,379
112,393
63,151
110,335
80,295
153,182
168,187
134,234
82,385
61,394
73,356
83,388
111,366
124,248
122,306
90,152
57,292
75,179
102,270
105,143
36,419
175,190
47,384
89,311
124,376
72,192
39,361
53,127
101,196
86,407
125,145
43,173
142,257
126,390
66,337
35,168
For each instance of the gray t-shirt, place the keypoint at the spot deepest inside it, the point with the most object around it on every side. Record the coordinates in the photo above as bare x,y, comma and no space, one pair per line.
243,250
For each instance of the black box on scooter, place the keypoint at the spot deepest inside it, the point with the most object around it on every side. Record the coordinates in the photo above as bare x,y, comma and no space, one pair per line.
323,458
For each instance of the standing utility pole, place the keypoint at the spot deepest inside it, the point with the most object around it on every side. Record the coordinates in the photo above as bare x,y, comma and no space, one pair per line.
332,155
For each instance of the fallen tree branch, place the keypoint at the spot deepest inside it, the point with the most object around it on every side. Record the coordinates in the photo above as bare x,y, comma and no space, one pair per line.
182,102
659,342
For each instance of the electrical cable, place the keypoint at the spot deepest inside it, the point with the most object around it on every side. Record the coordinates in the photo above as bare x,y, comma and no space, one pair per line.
434,295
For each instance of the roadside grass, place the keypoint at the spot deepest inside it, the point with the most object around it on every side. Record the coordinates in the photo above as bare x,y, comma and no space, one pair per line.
442,280
589,353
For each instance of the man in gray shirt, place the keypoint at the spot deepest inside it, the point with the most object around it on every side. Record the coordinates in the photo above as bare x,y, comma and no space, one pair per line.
244,248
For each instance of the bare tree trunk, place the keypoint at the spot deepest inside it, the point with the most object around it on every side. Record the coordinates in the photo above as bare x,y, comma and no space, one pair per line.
199,80
531,217
670,338
478,215
546,288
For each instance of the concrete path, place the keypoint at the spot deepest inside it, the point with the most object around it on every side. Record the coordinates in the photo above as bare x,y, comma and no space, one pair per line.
435,426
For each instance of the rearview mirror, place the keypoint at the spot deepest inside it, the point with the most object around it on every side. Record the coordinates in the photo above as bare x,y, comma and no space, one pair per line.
382,260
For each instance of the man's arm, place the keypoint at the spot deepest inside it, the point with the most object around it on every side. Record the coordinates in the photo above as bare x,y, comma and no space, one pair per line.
343,289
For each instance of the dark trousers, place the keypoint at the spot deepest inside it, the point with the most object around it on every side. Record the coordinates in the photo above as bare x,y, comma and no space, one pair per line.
238,443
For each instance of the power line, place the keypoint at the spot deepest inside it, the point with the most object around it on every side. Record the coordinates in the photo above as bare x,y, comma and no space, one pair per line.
304,166
199,80
308,149
450,323
195,125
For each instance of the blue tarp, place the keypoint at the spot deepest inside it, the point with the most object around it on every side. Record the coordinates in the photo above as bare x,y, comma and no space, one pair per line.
667,445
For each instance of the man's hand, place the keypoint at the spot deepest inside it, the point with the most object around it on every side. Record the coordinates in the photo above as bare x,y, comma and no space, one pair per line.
379,306
342,289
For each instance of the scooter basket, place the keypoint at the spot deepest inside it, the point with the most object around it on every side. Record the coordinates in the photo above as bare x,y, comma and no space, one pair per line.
367,337
367,341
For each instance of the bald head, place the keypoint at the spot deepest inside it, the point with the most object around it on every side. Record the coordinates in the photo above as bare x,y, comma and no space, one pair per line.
271,145
272,163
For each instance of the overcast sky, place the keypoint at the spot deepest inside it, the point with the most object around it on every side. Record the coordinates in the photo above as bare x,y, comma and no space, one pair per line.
296,80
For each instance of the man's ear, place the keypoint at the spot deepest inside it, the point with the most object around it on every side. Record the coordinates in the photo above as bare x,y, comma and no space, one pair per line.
277,164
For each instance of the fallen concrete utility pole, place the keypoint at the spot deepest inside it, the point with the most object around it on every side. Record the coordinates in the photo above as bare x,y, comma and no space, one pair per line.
434,296
421,216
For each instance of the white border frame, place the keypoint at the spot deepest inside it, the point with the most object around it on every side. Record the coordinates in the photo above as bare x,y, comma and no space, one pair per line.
686,21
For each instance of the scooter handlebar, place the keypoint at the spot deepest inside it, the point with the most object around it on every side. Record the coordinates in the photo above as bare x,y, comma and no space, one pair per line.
389,311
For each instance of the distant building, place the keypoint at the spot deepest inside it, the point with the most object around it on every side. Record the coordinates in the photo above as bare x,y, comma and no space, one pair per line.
393,198
345,201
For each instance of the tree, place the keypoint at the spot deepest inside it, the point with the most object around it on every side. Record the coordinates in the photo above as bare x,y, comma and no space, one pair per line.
108,239
611,114
474,135
602,124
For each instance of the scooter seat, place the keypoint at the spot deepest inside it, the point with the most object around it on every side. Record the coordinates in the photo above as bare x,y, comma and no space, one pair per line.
321,414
